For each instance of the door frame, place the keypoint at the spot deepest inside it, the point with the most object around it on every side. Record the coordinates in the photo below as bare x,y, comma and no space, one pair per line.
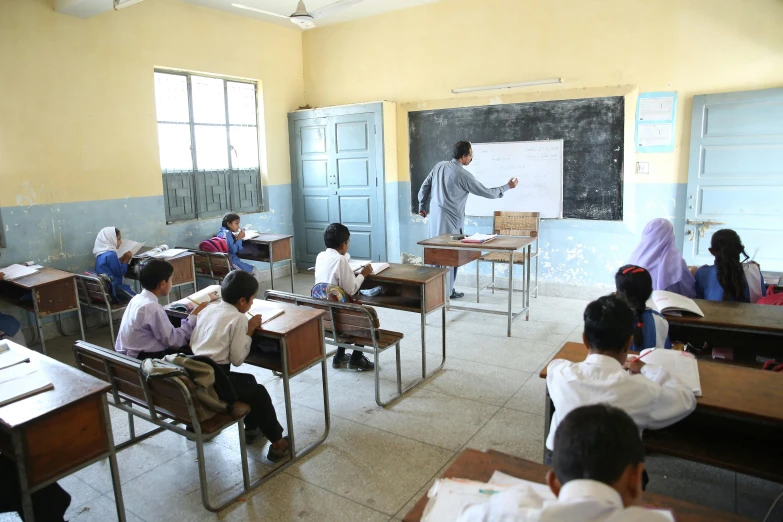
376,109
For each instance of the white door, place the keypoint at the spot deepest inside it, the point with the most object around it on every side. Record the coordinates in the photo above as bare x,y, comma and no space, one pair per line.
735,175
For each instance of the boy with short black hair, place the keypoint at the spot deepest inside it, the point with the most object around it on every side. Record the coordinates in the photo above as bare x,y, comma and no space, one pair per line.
332,268
597,475
648,393
224,334
146,331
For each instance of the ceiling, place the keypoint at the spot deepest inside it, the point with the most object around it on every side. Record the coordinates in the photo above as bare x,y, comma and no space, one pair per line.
286,7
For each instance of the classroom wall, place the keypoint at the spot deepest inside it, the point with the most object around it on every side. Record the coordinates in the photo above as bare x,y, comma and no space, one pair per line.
78,132
601,48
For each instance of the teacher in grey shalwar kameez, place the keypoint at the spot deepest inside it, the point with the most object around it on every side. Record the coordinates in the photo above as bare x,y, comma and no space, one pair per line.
445,192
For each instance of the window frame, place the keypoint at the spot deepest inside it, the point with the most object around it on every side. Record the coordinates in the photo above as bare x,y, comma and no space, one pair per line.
202,213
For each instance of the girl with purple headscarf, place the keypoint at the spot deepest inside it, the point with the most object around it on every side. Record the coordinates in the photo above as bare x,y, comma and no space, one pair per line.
658,254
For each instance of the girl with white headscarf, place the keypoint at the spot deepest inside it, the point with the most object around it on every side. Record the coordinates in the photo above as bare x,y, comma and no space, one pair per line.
107,262
658,254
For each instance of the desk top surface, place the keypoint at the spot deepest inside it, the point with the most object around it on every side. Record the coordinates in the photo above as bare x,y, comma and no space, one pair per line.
292,318
44,276
70,385
269,238
726,314
509,243
480,465
739,390
405,273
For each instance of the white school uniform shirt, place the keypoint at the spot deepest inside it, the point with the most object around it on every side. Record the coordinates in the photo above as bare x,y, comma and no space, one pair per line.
221,334
579,501
333,268
654,398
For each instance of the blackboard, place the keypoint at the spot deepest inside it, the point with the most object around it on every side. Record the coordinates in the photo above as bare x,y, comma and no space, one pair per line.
592,131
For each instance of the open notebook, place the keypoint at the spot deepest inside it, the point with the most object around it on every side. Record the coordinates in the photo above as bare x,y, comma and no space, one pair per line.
20,381
479,238
377,268
205,295
682,365
267,314
673,304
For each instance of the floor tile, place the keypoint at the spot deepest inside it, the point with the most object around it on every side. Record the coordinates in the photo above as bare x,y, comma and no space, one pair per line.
424,489
100,509
176,485
434,418
372,467
514,432
351,398
81,492
135,460
286,498
530,397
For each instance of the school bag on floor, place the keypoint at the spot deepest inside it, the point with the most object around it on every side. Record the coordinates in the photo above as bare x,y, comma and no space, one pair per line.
215,244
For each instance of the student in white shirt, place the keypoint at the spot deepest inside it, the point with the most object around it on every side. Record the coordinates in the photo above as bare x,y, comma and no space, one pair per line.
224,334
332,268
649,394
597,476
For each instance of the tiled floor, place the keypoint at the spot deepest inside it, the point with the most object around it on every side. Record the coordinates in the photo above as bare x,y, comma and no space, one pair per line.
377,462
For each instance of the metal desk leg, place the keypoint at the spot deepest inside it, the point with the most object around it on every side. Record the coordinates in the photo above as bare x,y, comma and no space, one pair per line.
271,266
38,324
291,262
79,311
21,469
115,471
510,289
527,292
424,331
287,393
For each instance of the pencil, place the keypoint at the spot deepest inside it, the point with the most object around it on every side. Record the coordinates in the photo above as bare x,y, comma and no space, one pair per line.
194,302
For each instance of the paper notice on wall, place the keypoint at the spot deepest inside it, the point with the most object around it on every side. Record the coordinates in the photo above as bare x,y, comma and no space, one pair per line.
656,109
655,134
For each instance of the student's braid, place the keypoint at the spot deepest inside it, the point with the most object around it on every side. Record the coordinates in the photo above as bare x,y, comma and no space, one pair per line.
634,284
727,247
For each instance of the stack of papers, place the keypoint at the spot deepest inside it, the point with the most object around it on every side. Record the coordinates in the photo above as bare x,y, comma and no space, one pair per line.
16,271
479,238
163,252
682,365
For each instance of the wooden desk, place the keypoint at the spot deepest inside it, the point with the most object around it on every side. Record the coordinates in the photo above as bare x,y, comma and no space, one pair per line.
274,248
737,419
480,465
444,251
57,432
184,270
749,329
49,292
300,333
412,288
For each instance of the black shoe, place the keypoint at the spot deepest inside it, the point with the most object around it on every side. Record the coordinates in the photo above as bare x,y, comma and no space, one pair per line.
276,455
456,295
361,365
340,361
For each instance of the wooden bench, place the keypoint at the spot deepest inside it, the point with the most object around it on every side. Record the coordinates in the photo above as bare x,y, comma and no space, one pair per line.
165,402
352,326
92,294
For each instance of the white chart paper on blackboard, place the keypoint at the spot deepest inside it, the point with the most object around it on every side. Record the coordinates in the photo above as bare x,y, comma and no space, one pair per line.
537,164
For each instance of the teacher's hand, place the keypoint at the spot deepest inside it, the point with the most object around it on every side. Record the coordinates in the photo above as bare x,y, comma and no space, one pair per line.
513,182
423,213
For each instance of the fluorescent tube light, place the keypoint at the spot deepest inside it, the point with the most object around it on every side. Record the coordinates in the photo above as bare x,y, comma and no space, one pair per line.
507,85
120,4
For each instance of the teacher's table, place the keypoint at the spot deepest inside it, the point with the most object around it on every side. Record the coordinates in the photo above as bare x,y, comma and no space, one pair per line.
737,420
444,251
480,465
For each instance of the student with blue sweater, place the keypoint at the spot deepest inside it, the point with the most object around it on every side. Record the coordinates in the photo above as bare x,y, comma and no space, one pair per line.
728,279
107,262
651,330
230,231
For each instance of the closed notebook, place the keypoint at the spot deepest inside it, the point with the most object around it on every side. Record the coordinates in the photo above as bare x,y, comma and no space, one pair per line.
682,365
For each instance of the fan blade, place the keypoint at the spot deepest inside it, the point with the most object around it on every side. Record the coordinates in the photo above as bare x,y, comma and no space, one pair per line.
333,8
248,8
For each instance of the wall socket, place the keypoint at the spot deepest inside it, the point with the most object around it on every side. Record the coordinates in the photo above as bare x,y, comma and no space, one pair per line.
642,167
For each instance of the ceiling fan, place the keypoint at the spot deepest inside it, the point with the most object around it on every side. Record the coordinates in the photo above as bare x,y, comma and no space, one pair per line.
301,17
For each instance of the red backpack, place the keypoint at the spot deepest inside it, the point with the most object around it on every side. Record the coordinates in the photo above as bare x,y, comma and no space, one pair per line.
772,298
215,244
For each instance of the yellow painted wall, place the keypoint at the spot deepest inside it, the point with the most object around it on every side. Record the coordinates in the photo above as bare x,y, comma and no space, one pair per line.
600,47
77,105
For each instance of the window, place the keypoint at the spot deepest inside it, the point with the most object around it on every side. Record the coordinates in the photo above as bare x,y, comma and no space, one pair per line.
208,134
